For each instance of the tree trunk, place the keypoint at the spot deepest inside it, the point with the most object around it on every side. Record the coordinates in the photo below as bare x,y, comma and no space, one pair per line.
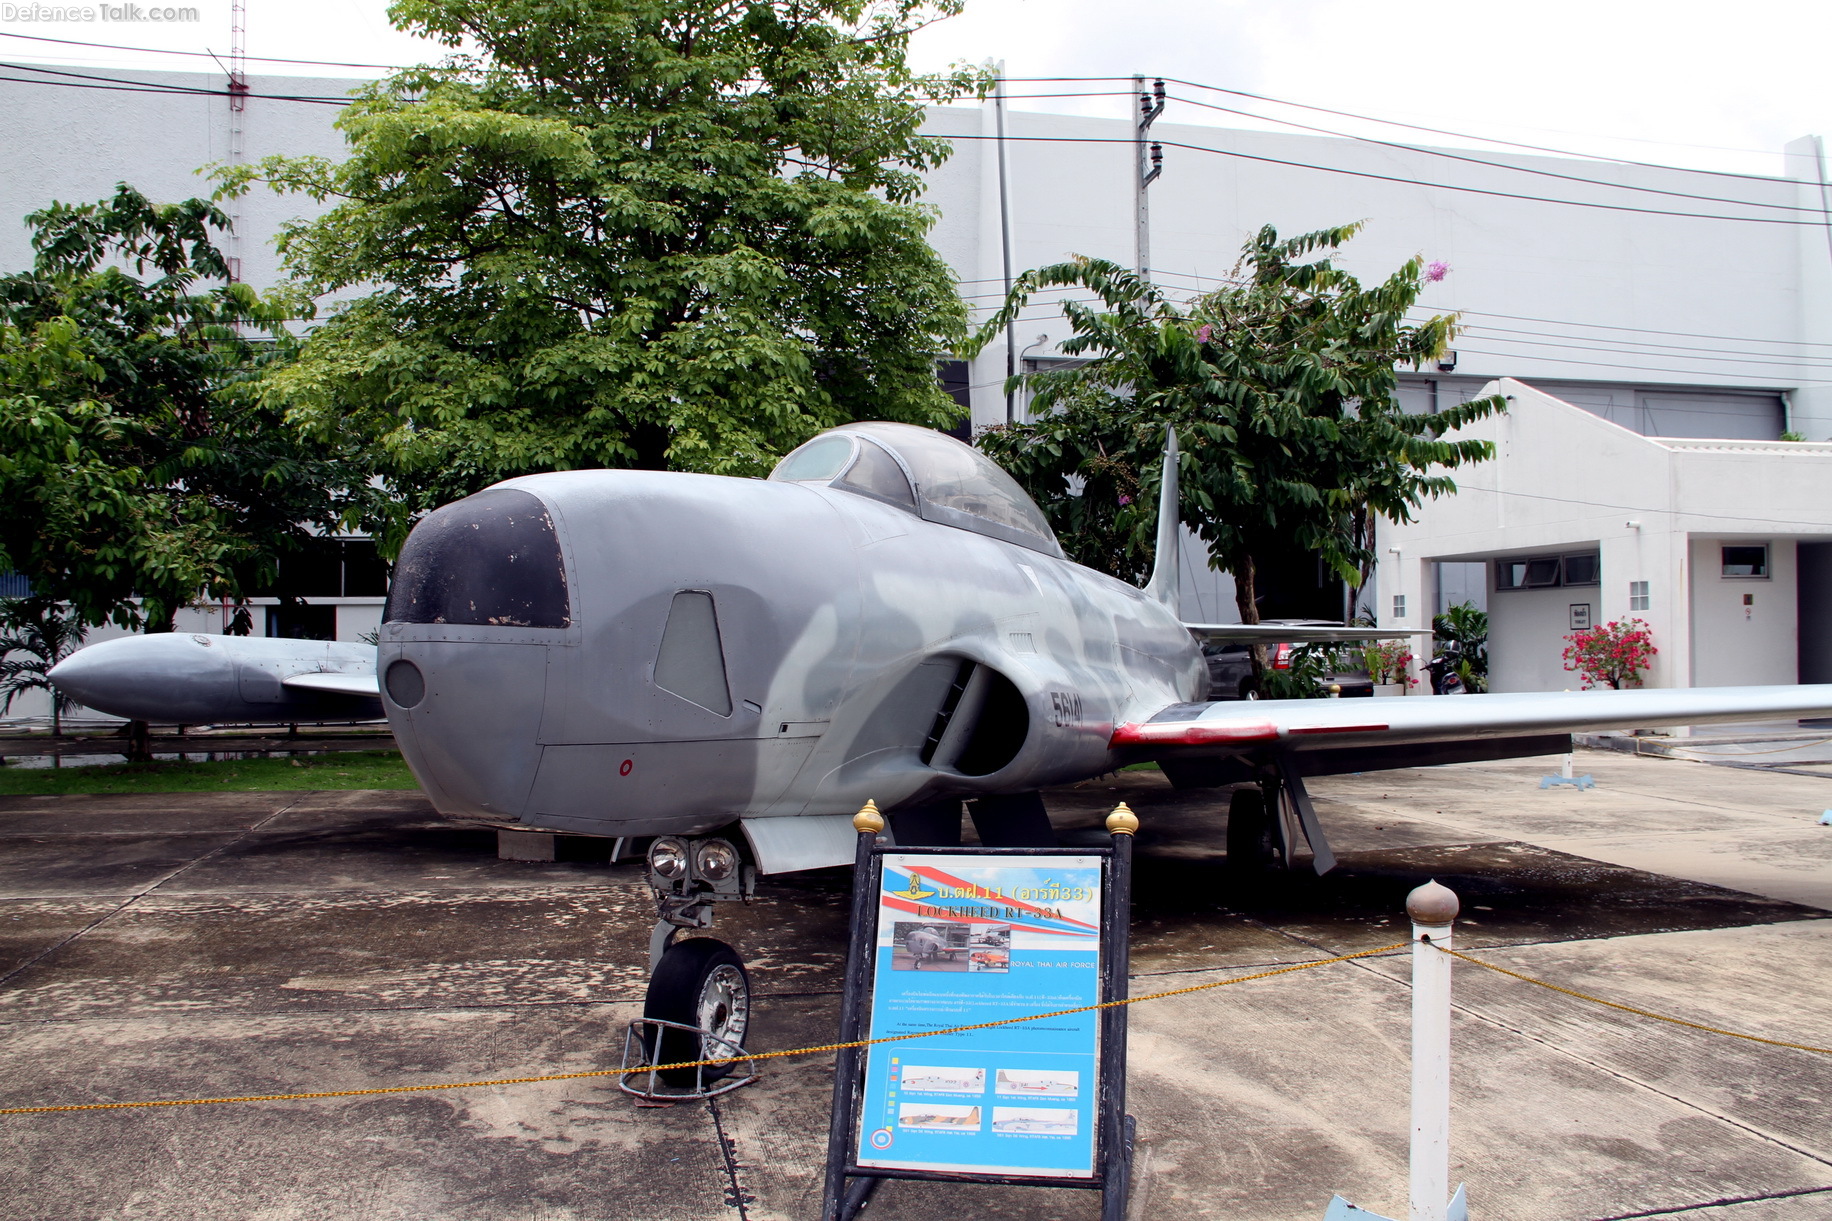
1246,601
139,742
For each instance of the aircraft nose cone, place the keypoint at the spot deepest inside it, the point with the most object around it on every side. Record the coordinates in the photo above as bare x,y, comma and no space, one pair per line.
145,678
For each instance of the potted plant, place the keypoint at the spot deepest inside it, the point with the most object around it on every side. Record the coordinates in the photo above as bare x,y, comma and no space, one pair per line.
1389,664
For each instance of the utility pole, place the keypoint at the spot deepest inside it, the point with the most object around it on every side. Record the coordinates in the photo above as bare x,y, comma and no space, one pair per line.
1011,328
1150,163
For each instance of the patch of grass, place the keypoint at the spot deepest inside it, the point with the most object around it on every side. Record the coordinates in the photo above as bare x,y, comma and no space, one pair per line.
354,769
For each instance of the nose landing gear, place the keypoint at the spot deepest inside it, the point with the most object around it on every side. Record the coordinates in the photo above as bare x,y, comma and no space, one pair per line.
699,1001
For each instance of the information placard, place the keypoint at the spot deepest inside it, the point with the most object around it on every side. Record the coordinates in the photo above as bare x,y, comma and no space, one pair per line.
975,938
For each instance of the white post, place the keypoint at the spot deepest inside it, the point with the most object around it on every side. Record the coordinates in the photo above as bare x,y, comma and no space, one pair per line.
1432,908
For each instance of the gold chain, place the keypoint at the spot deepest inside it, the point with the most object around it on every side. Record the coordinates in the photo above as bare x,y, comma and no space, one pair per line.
1658,1017
653,1068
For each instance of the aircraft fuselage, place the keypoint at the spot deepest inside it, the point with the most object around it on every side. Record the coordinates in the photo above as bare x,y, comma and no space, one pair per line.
716,648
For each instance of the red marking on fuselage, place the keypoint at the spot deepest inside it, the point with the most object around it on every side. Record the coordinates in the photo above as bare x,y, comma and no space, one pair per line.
628,764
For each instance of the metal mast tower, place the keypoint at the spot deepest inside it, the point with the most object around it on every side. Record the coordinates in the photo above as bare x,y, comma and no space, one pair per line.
238,106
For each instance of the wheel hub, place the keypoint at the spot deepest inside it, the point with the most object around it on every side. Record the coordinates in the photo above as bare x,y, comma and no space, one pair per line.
725,1004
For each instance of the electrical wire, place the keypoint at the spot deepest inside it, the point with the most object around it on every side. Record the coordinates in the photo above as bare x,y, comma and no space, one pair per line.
266,59
1642,330
1502,165
1481,332
1393,178
1439,131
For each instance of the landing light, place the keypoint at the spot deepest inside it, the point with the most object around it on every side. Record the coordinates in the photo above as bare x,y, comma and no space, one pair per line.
715,860
668,858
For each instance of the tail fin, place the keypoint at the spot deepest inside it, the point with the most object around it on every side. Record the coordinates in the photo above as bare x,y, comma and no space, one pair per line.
1165,571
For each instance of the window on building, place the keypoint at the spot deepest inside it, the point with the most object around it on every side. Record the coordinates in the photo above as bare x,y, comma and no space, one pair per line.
1547,571
1638,597
1746,560
1399,606
329,568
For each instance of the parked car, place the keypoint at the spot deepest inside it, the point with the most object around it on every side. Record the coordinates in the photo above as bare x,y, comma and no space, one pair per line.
1231,665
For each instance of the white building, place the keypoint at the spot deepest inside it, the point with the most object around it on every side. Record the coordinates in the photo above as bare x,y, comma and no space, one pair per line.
1722,547
1678,304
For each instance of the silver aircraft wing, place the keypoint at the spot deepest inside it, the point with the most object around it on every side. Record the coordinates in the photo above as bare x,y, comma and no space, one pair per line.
335,684
1236,727
1274,633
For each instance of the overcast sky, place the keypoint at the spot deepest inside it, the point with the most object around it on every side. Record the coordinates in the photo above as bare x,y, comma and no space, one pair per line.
1720,86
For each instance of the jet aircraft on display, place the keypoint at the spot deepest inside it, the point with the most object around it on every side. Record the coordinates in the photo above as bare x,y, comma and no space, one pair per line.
731,667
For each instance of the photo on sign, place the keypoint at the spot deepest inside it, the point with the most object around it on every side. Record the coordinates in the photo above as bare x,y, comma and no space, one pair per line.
989,947
938,1117
1033,1083
923,1078
1037,1121
924,945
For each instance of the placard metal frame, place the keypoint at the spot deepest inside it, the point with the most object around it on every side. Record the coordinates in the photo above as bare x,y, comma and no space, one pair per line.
848,1185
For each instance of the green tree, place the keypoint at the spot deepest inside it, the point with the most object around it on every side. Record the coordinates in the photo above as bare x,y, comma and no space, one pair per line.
36,634
624,233
138,470
1282,386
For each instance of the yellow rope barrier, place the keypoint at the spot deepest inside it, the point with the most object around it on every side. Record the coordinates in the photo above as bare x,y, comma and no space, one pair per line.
1659,1017
651,1068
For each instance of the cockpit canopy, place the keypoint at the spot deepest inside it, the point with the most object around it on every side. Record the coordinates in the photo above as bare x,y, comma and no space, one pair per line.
926,473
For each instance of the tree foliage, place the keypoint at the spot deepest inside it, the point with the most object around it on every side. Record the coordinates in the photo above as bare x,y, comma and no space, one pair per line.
1282,387
624,233
36,634
138,469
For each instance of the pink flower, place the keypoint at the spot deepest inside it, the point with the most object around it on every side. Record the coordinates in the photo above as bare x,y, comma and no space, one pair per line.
1125,500
1436,271
1203,333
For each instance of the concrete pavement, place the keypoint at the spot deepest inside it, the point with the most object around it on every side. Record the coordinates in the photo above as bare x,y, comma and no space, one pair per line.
191,945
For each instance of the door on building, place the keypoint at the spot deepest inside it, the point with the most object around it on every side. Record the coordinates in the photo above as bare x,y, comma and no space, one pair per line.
1815,620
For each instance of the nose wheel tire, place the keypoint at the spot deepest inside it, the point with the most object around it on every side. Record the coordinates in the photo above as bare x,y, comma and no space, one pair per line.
700,982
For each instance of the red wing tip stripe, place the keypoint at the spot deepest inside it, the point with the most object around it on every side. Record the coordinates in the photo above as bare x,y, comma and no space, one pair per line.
1186,734
1341,729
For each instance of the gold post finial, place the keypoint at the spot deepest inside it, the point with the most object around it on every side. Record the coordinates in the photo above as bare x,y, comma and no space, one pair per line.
1122,821
868,821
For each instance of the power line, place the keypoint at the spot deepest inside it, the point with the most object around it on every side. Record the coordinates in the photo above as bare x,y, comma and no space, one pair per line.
1439,131
1605,364
1641,330
1415,182
1502,165
1783,362
266,59
117,85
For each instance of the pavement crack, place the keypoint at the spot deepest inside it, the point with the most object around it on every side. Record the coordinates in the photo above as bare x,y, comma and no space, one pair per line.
134,898
736,1195
1723,1202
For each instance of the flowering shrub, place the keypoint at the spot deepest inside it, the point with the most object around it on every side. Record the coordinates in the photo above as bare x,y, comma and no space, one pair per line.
1614,654
1389,661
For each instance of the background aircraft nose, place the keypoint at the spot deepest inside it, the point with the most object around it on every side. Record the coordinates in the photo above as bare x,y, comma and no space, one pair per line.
166,677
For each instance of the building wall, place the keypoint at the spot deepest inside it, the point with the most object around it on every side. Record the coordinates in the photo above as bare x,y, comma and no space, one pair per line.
1734,645
1564,480
1527,629
1771,284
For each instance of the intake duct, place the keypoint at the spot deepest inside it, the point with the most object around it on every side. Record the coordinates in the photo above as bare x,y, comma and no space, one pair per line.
981,726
